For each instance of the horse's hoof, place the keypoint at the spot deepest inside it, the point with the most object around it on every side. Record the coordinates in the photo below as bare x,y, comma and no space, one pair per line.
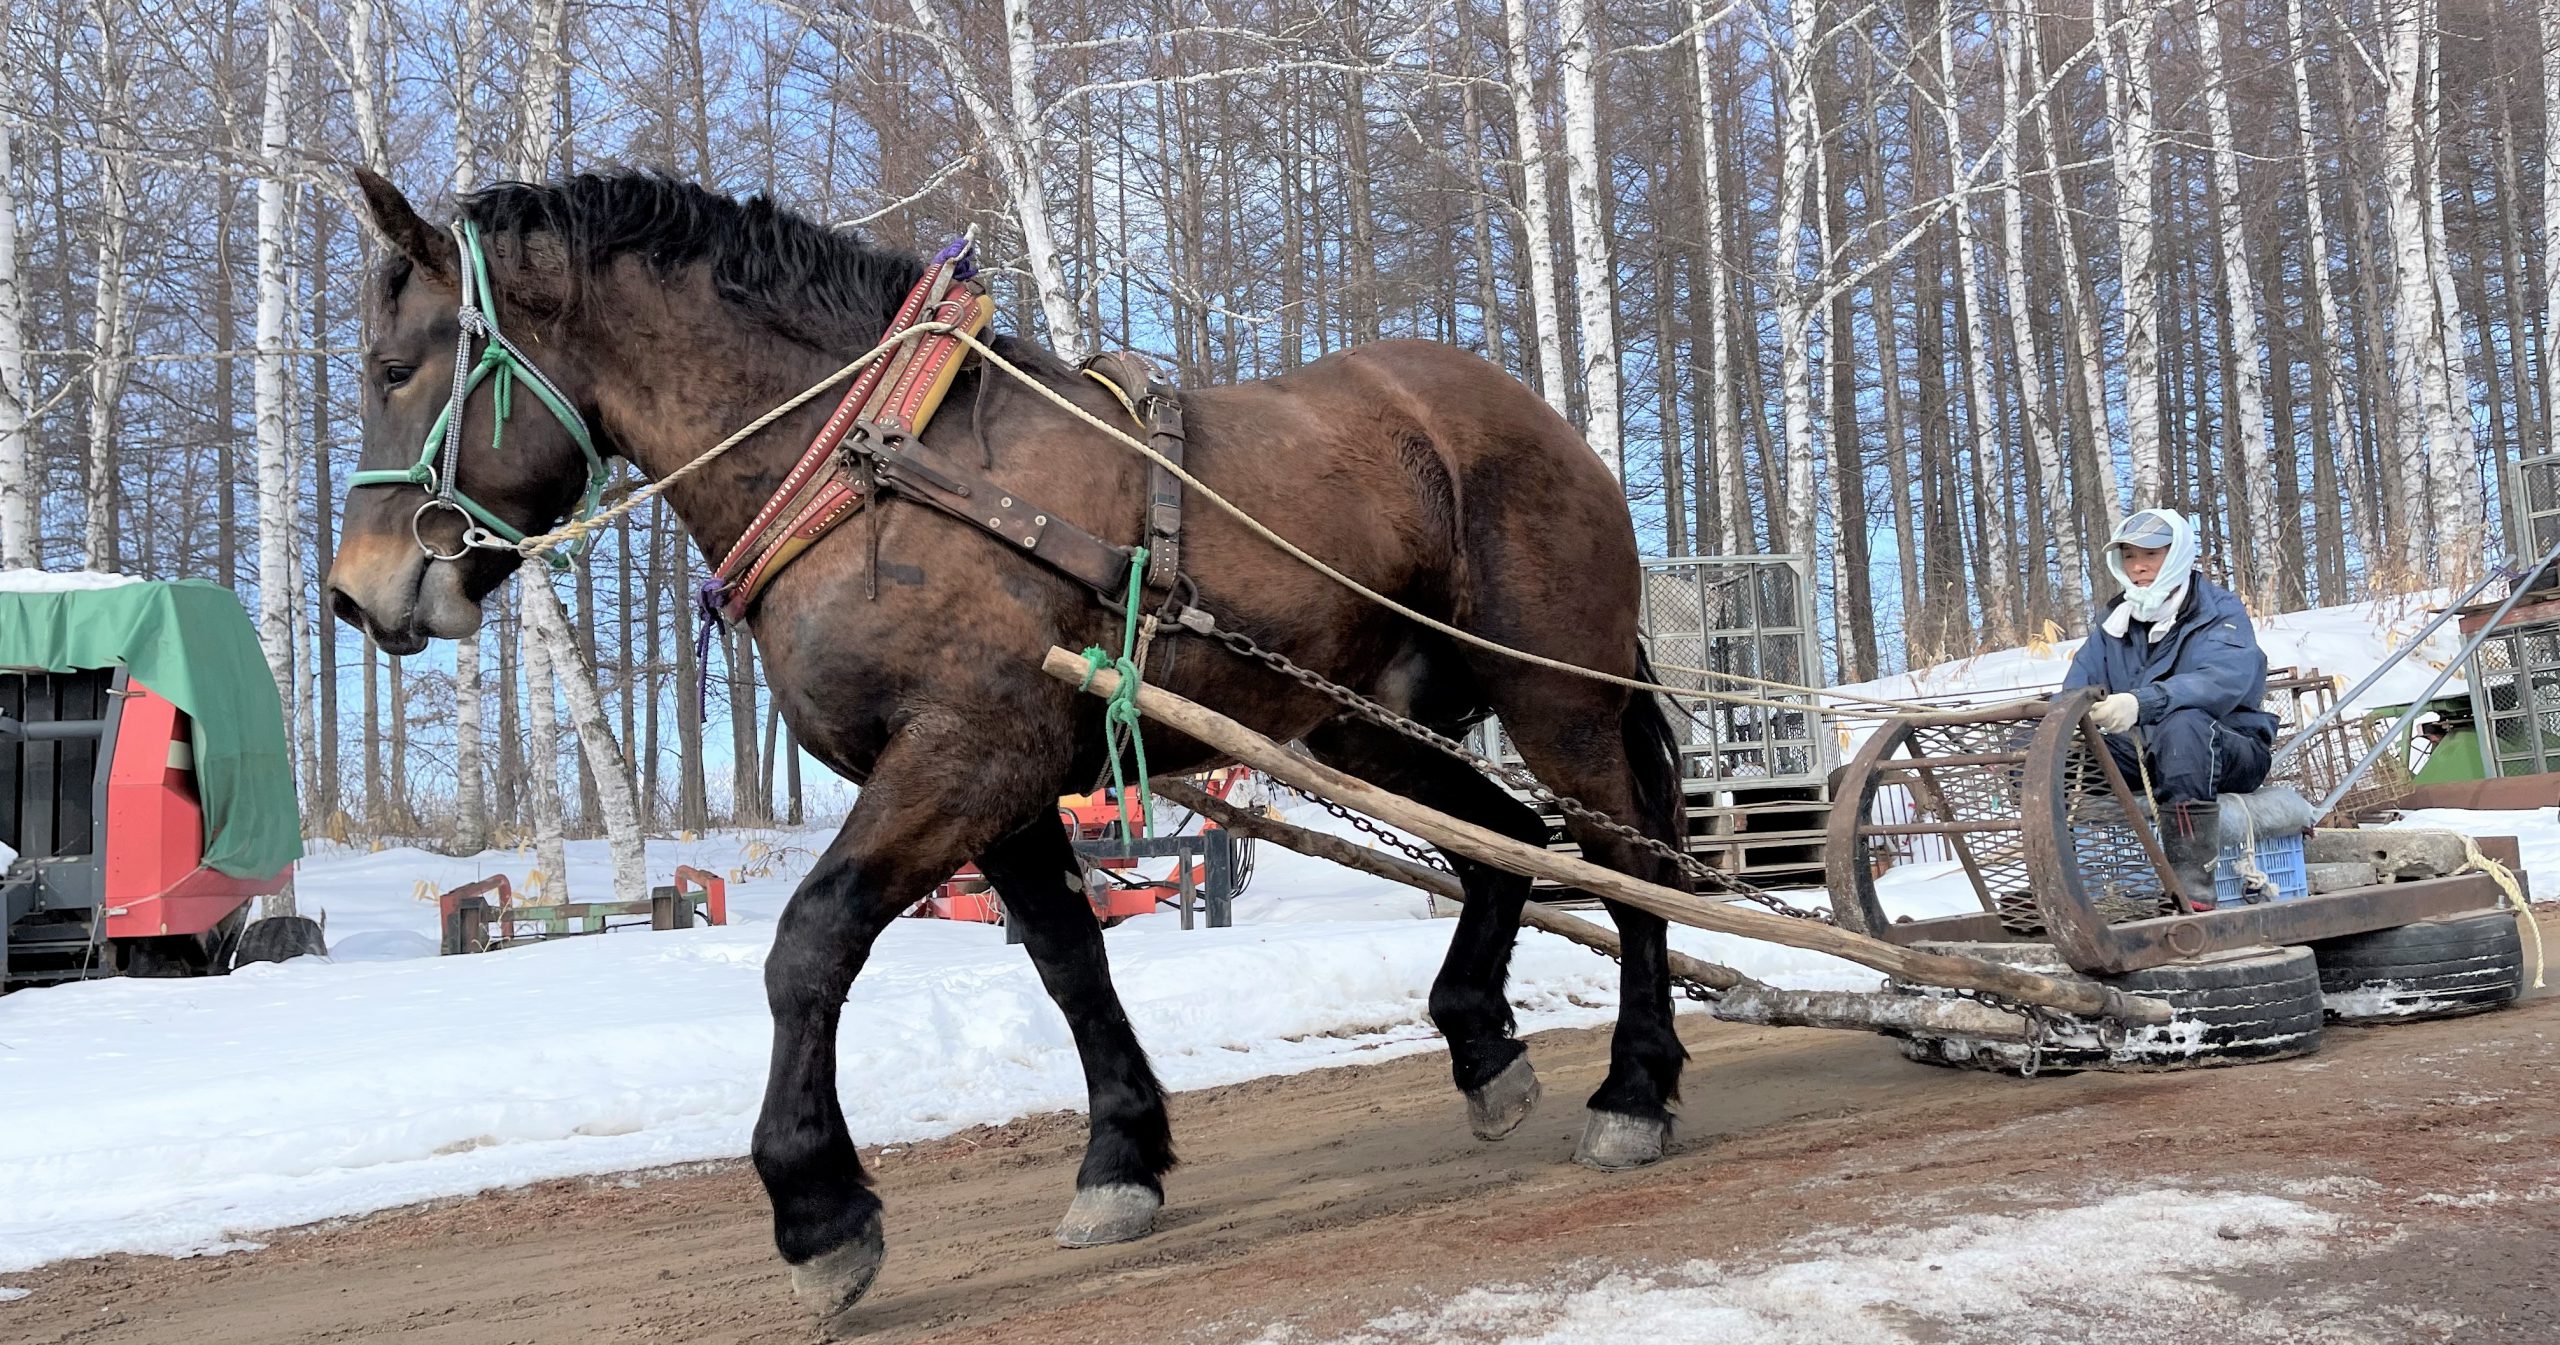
833,1281
1615,1141
1102,1215
1499,1107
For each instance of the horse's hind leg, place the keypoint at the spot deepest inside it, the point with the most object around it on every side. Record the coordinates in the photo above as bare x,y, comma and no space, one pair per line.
1130,1146
1587,742
1488,1064
920,815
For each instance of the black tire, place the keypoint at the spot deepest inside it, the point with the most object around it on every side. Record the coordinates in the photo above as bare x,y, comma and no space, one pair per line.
278,938
2231,1009
2431,969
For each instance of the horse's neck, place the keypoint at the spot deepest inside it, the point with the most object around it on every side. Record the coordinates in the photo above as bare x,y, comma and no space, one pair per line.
666,421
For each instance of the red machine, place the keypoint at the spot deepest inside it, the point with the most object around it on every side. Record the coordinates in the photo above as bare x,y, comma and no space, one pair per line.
1096,826
154,882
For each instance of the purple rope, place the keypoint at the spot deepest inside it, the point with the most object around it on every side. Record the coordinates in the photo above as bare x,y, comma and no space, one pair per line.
963,256
707,599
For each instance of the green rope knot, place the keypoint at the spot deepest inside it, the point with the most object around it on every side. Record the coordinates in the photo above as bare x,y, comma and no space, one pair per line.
1120,712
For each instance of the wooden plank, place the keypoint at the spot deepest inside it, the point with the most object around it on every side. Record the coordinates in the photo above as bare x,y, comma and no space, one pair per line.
1208,726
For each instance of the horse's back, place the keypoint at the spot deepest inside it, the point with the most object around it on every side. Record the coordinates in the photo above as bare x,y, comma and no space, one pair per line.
1431,473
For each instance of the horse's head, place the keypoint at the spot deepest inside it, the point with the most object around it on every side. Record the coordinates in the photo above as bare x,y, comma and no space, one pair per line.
472,438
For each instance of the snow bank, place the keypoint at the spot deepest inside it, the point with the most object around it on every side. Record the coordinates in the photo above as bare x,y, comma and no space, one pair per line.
70,581
2129,1268
180,1115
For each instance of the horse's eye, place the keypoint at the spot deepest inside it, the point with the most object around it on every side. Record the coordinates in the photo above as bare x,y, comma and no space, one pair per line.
393,375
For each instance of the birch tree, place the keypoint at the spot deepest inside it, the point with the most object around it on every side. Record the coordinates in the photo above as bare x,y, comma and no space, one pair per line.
2453,464
2432,455
2021,301
2327,378
1793,513
1586,179
470,799
1990,477
545,620
17,461
2129,128
2247,413
110,333
2548,12
542,757
1537,210
276,496
1724,437
1015,130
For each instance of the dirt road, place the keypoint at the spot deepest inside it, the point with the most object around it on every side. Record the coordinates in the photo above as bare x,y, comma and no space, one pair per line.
1314,1206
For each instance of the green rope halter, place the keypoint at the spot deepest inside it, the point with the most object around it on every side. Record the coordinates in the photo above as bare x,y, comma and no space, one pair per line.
500,365
1120,712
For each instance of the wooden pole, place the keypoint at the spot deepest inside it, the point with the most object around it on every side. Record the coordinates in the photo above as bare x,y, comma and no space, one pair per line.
1535,915
1261,753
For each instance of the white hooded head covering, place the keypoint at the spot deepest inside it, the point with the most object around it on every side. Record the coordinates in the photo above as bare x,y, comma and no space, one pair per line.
2155,527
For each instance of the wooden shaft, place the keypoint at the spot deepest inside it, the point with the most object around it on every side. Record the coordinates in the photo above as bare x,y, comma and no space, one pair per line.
1536,915
1261,753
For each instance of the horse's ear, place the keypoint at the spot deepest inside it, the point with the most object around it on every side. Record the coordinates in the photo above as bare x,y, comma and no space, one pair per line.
397,221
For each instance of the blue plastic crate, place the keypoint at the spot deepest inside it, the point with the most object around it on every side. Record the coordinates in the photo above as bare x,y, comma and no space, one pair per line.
2279,857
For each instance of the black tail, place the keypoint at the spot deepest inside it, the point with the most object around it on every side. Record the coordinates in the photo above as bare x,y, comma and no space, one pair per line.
1645,730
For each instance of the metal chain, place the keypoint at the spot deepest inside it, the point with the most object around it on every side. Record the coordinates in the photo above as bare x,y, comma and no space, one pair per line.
1697,870
1423,855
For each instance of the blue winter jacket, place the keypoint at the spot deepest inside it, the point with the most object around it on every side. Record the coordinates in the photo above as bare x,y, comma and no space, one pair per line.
2209,662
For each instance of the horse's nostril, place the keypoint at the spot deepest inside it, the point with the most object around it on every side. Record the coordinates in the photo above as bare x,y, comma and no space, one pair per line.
345,606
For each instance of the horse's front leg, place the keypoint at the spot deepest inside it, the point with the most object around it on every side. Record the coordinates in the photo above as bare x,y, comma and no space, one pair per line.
920,815
1130,1146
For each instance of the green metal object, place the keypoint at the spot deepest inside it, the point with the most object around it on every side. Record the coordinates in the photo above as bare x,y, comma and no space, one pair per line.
191,642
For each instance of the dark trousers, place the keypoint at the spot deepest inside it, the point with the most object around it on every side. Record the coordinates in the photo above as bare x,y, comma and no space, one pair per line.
2190,757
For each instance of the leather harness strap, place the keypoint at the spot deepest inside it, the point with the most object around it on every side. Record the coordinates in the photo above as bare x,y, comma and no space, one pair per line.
870,445
1157,408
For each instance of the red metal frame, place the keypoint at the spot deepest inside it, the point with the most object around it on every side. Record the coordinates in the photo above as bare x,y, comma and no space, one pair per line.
966,895
155,879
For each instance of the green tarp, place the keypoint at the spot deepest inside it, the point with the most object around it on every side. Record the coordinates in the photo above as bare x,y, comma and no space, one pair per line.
191,642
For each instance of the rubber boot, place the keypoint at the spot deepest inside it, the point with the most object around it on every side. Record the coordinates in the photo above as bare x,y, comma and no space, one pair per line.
2191,833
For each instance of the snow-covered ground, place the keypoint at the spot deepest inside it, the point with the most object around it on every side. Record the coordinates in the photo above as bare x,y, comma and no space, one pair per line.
2128,1267
178,1116
182,1116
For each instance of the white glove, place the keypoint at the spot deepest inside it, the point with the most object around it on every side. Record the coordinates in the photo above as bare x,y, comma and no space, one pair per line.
2116,713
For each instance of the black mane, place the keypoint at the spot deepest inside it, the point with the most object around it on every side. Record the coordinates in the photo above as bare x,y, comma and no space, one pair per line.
823,286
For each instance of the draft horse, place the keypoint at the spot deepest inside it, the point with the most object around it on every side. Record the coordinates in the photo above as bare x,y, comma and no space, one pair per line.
904,650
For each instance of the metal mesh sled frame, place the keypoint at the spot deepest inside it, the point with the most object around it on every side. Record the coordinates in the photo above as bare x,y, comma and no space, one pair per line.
1985,782
2320,761
2038,778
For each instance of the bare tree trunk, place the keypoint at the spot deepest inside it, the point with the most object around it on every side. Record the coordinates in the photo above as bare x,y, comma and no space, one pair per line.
2022,333
1016,133
545,622
2356,494
2246,410
18,488
110,334
2454,463
1800,135
2434,451
276,494
542,745
470,799
2087,348
1724,437
1537,214
2129,127
2548,12
1586,173
1488,295
1999,572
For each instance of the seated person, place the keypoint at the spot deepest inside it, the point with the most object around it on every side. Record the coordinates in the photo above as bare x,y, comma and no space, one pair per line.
2184,675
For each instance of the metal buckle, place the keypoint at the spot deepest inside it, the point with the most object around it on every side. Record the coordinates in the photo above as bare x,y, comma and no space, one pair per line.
418,535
